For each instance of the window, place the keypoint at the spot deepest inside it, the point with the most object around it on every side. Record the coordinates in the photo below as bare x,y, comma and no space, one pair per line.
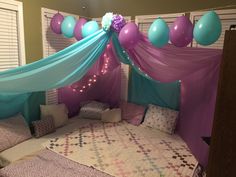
227,17
12,46
124,68
53,43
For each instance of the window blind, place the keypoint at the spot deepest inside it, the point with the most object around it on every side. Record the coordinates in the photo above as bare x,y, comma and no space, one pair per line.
227,17
53,43
145,21
11,42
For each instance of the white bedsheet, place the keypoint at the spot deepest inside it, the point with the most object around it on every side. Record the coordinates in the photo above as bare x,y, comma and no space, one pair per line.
35,144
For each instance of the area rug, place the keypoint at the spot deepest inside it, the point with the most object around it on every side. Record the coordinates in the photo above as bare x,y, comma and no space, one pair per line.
124,150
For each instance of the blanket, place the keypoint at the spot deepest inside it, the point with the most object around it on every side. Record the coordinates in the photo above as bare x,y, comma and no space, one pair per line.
124,150
48,164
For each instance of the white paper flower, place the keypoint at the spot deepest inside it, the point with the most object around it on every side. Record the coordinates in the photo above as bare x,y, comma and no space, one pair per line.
107,21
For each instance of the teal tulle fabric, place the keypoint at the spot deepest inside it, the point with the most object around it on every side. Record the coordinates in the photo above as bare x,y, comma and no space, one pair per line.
58,70
145,90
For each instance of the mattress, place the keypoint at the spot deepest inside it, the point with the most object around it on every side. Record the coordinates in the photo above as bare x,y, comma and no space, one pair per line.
35,144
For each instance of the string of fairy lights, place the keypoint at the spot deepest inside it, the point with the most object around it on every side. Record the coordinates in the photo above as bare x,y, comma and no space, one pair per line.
92,79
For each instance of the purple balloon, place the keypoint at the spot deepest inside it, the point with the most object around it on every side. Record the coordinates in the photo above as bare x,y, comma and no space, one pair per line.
56,22
78,28
181,32
129,35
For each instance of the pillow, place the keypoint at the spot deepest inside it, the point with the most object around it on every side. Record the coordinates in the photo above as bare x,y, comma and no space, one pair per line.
93,110
58,112
13,131
163,119
111,115
43,126
132,113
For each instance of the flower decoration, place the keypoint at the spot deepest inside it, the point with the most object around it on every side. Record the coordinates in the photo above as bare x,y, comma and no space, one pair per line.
118,22
107,21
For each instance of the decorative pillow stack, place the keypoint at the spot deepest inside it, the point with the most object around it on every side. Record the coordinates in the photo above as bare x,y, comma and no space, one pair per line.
163,119
43,126
13,131
132,113
58,112
93,110
111,115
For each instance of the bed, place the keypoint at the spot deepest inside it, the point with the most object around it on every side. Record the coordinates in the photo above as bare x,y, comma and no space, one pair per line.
101,149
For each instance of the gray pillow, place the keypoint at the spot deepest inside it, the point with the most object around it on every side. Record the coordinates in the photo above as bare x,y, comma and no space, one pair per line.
93,110
13,131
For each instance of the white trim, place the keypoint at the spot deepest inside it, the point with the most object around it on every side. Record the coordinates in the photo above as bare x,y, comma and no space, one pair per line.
18,7
21,34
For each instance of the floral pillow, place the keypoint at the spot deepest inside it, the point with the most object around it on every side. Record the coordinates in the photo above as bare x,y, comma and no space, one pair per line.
43,126
13,131
163,119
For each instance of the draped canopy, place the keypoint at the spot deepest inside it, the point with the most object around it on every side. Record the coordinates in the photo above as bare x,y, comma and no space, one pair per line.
196,69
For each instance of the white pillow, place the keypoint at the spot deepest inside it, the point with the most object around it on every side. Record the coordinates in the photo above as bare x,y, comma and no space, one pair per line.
58,112
163,119
111,115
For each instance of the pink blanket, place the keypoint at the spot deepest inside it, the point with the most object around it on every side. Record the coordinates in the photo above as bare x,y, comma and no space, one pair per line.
49,164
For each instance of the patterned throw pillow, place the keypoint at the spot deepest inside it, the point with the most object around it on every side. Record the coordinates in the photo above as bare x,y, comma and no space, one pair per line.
132,113
13,131
111,115
58,112
93,110
163,119
43,126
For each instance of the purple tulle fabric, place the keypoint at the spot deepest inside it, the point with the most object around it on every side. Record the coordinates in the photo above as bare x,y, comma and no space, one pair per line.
106,89
198,70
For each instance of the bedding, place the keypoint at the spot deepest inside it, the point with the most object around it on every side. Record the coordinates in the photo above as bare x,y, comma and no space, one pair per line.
48,164
35,144
13,130
161,118
121,149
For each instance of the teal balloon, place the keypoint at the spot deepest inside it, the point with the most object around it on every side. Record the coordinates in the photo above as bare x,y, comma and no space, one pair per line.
158,33
208,29
89,28
67,26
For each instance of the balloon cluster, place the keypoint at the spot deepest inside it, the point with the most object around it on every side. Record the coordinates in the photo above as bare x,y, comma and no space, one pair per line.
128,32
181,33
69,27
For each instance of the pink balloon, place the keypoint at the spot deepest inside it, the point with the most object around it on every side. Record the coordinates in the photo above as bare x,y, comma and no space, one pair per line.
56,22
129,35
181,32
78,28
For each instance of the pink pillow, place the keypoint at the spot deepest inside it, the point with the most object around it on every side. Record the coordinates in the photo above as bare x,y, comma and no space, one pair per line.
132,113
